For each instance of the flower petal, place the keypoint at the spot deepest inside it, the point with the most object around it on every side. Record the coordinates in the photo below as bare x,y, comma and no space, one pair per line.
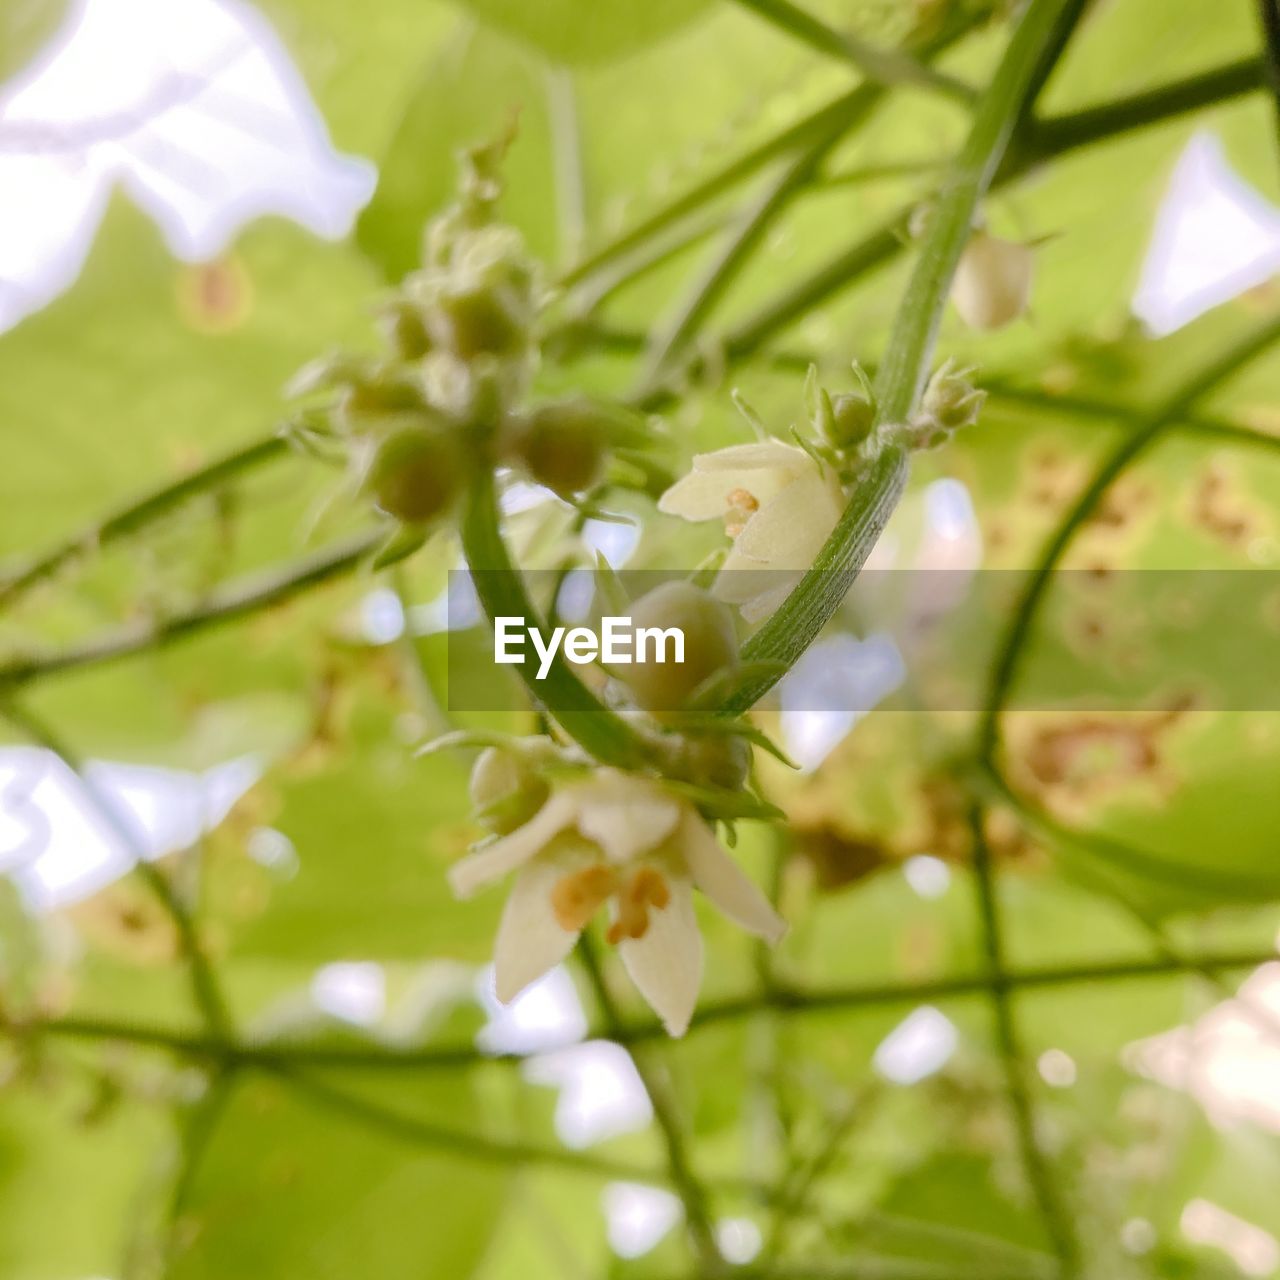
496,860
789,530
760,606
625,815
750,457
666,964
725,882
530,939
762,470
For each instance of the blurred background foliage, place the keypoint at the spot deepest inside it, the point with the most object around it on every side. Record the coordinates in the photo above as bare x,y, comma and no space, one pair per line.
1134,859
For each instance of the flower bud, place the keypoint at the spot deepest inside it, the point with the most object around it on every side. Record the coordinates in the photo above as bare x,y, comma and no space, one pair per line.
852,417
562,445
992,285
480,320
369,400
404,330
416,472
720,760
710,644
505,790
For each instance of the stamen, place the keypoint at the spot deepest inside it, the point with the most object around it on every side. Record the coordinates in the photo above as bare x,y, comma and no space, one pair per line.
646,890
742,506
575,898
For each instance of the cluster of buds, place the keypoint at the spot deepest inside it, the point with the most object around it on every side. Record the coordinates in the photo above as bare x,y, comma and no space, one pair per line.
447,394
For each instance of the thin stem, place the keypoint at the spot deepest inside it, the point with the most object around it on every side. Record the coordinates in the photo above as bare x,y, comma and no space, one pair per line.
686,1185
784,1000
204,984
500,588
884,66
465,1144
736,251
801,617
1056,1219
237,600
566,140
1145,433
142,511
1039,142
1269,13
801,134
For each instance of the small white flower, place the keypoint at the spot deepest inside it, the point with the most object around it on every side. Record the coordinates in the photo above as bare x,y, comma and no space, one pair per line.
992,285
778,505
617,839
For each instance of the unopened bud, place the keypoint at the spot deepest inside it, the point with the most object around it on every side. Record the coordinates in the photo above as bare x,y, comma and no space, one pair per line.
506,791
951,399
992,285
484,320
720,760
416,473
710,644
852,417
562,445
369,401
404,330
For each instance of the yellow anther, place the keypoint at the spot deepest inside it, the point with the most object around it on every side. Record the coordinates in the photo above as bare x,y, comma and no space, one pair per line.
575,898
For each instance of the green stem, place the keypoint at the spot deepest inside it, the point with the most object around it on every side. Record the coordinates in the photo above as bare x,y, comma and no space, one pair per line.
797,623
801,617
240,598
1035,43
734,254
686,1184
142,511
1145,433
1042,141
784,1000
883,66
1053,1213
498,584
204,984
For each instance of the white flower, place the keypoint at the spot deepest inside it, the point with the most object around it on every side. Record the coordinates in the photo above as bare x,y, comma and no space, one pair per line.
777,503
626,841
992,285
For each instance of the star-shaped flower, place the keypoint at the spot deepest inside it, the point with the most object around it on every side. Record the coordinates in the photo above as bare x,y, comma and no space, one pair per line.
627,842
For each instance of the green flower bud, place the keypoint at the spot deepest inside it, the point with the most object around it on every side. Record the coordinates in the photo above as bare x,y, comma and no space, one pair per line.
951,400
505,790
562,445
404,330
369,400
416,473
480,320
852,417
710,644
716,760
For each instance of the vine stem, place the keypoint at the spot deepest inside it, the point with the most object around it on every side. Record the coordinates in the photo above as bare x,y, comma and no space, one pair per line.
1147,430
797,622
883,66
784,1000
691,1192
236,600
500,588
142,511
1053,1213
204,984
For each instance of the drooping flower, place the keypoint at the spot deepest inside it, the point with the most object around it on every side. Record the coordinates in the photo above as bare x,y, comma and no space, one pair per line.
778,504
626,842
992,285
